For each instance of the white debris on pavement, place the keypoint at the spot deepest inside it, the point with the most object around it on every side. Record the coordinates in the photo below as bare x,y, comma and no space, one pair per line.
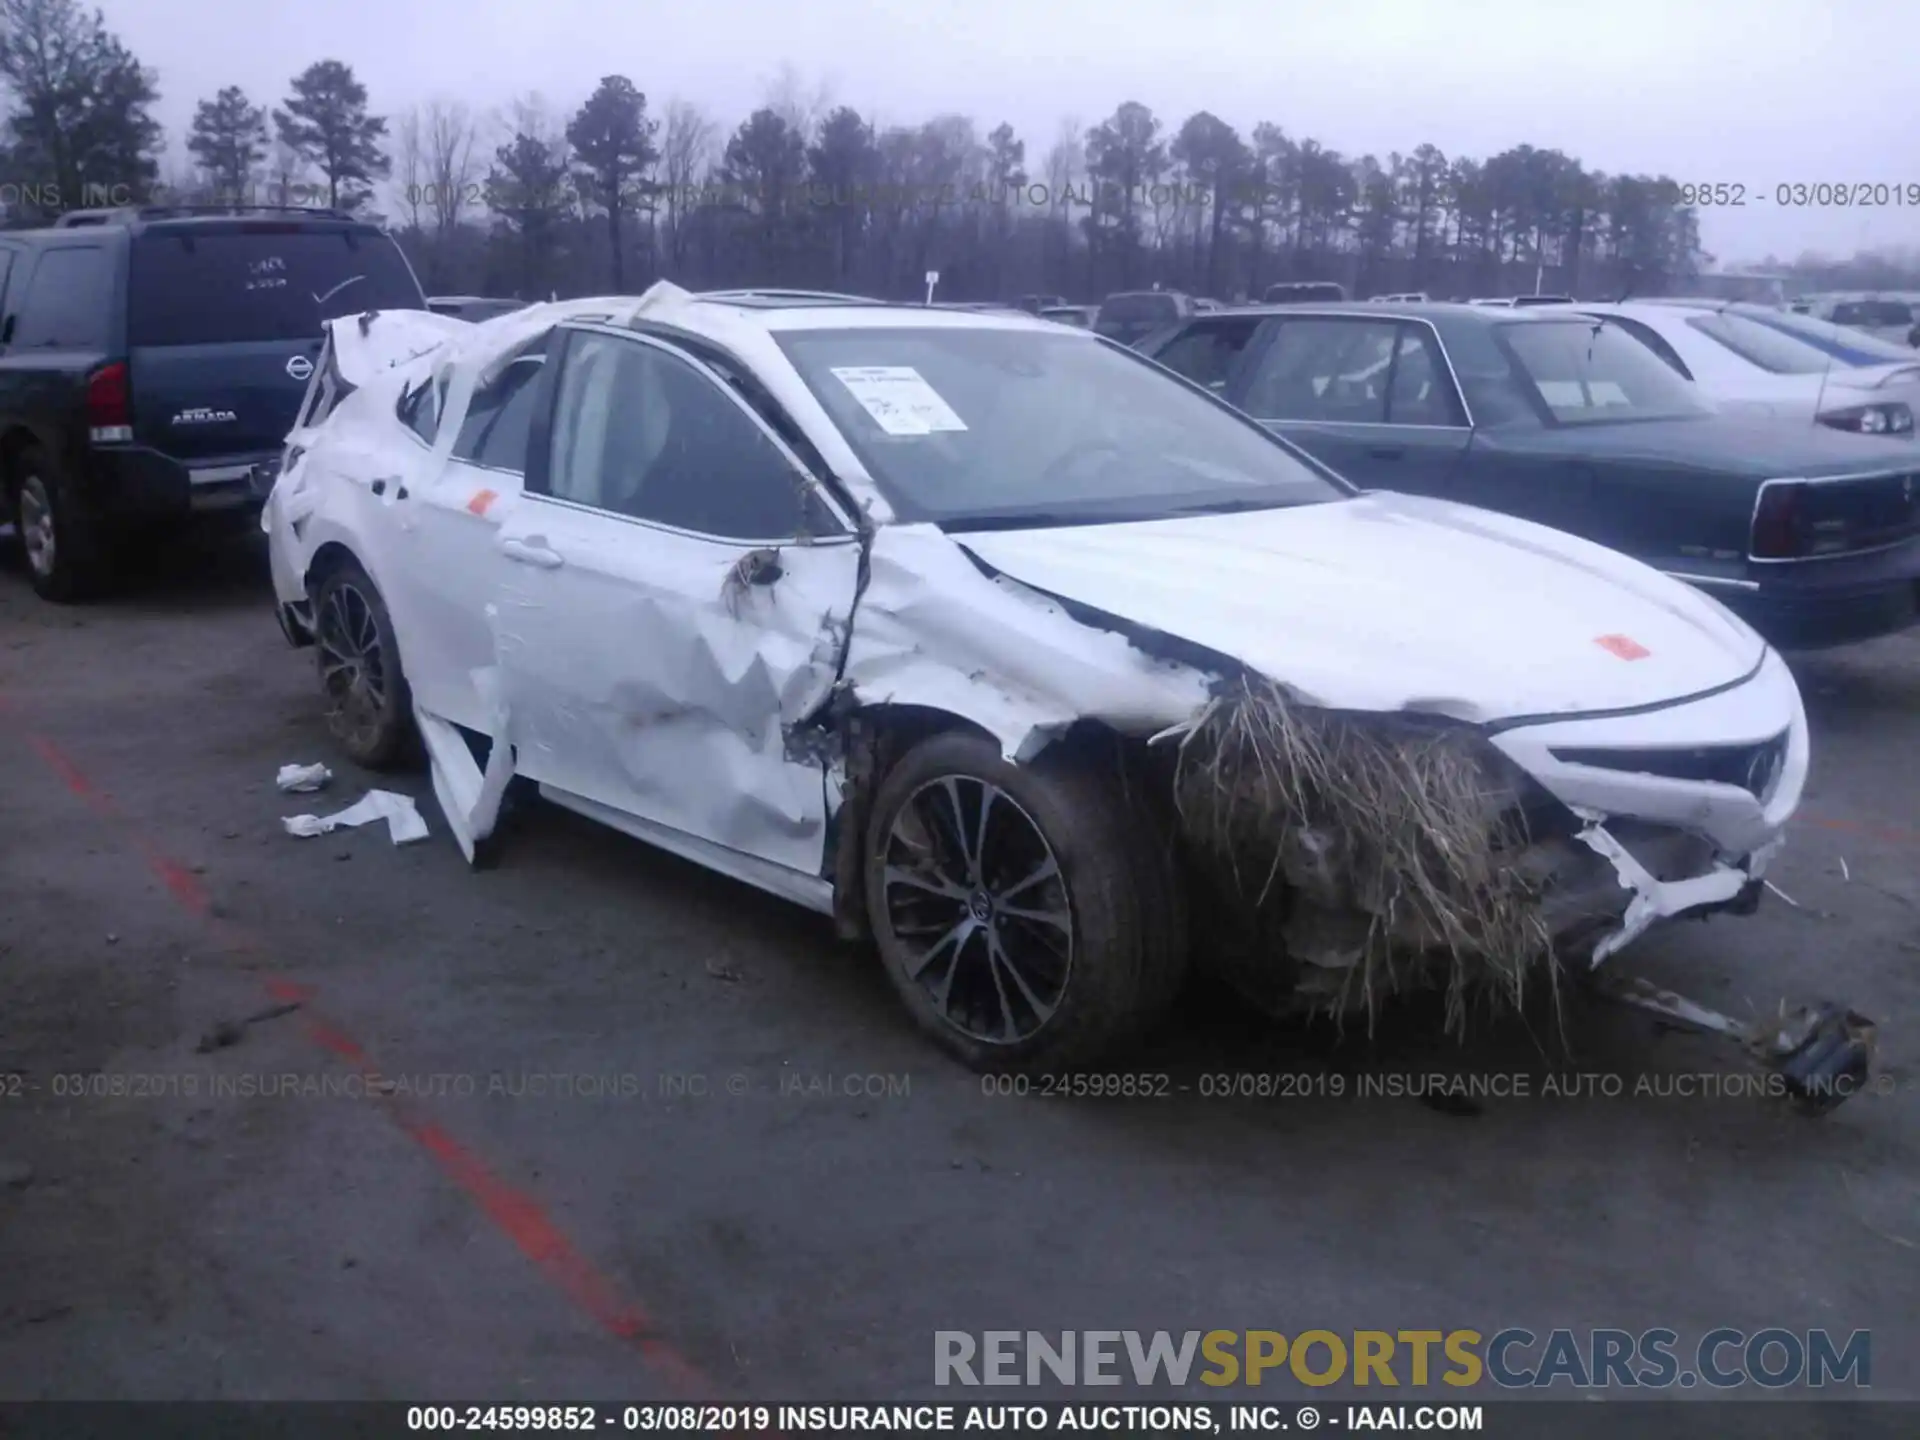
303,779
403,820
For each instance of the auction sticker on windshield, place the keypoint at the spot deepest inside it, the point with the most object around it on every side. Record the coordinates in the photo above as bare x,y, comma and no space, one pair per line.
898,398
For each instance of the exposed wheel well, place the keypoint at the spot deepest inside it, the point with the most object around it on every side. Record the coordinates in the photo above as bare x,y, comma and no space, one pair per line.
876,736
12,444
327,559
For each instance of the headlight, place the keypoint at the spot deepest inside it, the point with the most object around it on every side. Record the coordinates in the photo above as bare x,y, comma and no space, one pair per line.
1890,418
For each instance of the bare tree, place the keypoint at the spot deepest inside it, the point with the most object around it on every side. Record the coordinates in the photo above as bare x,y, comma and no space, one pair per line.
686,150
452,170
286,175
801,105
410,165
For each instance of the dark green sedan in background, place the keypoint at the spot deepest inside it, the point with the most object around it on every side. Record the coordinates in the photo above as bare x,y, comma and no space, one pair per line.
1810,534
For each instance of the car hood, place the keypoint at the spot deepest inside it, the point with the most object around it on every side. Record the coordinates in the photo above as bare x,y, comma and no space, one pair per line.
1762,447
1392,602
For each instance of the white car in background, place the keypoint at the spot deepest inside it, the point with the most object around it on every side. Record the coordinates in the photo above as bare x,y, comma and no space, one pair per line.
991,638
1742,364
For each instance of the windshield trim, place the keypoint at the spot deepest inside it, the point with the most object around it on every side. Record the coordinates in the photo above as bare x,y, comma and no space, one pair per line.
906,511
1549,417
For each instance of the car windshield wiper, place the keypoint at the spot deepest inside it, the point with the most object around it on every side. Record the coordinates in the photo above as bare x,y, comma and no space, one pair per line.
1235,506
1041,519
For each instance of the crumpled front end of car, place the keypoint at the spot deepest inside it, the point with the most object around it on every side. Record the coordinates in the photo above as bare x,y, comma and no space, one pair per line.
1346,857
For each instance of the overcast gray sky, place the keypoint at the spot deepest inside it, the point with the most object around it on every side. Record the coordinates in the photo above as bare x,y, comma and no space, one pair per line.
1758,93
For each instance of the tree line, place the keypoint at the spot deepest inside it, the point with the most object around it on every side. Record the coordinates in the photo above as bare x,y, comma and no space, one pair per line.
805,193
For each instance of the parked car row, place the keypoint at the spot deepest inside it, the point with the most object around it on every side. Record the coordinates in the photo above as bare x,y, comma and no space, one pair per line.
1592,420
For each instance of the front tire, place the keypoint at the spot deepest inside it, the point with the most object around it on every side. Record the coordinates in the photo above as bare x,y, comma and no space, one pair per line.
1029,916
369,703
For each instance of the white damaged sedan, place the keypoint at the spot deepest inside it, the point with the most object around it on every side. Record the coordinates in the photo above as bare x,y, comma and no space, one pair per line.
1006,648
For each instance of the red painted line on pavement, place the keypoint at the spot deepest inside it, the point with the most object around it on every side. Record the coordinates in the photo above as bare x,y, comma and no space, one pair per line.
515,1214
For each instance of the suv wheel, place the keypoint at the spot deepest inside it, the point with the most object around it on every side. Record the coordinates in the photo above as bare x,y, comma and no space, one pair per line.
65,561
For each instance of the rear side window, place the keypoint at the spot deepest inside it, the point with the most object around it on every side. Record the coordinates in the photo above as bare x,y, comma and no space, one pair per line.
500,415
68,300
256,283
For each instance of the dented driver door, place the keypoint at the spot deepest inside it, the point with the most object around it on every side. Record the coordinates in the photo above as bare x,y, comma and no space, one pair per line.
659,621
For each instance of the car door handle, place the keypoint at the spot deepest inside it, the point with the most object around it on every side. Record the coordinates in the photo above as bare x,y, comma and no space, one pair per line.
532,551
1387,452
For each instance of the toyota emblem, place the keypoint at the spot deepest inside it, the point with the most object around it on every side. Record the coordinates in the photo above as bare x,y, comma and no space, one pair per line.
300,367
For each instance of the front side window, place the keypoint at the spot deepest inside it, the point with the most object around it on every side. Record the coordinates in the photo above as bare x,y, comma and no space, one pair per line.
640,431
1011,427
67,301
1323,369
500,414
1590,371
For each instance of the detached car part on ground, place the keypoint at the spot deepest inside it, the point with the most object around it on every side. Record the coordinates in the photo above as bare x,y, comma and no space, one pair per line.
999,644
1810,534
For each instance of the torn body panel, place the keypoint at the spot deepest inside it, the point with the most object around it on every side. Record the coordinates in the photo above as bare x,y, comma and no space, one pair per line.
636,677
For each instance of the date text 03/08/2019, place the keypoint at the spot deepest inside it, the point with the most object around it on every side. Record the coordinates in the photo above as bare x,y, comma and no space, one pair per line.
1803,194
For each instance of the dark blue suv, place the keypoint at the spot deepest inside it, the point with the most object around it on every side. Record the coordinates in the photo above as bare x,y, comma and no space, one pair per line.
152,361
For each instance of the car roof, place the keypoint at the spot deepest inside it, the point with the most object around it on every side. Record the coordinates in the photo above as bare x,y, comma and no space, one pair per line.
1435,311
137,218
881,315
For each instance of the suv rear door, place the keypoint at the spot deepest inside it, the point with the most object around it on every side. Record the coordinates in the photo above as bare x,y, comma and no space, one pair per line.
224,323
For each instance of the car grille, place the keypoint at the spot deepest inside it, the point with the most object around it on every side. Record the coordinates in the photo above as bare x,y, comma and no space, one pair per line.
1753,768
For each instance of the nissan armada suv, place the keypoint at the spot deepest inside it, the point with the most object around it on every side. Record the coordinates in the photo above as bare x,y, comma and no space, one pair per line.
152,361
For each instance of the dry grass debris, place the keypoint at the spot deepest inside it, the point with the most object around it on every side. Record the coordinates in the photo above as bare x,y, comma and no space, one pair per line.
1398,832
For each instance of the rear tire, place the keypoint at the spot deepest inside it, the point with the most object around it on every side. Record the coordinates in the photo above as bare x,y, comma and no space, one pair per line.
67,557
1043,931
369,703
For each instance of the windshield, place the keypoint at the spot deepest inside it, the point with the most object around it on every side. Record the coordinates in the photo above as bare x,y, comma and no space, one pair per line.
1763,345
1852,345
201,286
1011,427
1592,371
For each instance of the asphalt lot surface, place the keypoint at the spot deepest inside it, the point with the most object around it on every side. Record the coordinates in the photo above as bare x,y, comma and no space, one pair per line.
800,1230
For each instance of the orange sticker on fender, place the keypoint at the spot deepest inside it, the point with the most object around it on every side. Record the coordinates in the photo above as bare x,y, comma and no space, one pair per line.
1625,646
481,501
